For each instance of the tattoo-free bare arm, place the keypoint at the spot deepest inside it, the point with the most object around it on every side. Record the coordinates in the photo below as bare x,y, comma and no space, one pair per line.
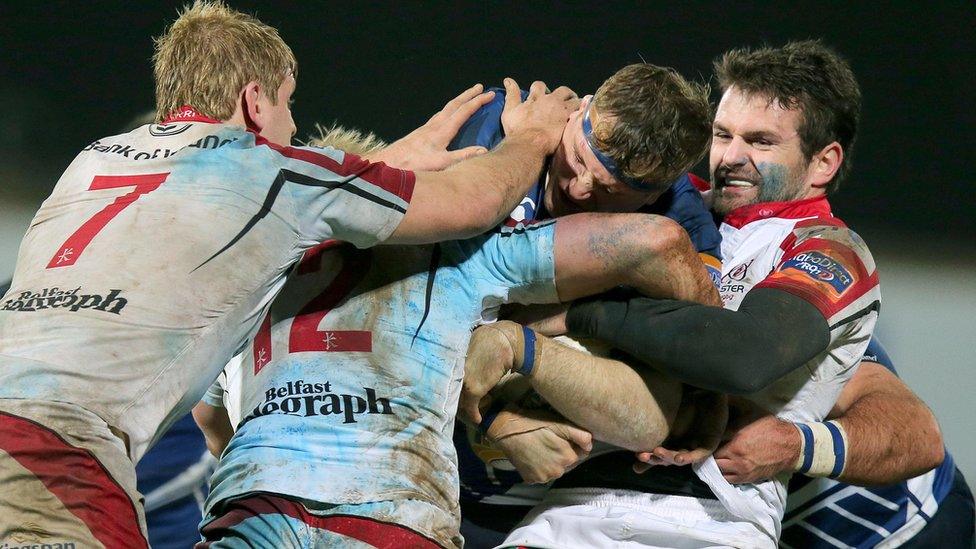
614,402
892,435
475,195
216,427
595,252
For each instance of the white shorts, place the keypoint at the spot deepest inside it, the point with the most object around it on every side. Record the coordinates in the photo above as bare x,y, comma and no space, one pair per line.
588,518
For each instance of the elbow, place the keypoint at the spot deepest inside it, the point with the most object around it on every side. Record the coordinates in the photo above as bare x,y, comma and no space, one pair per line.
932,446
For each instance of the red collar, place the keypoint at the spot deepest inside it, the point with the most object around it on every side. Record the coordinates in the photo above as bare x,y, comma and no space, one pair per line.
187,113
794,209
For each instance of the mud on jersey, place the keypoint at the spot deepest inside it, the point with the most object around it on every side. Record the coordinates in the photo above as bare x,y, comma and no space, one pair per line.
801,248
157,254
349,390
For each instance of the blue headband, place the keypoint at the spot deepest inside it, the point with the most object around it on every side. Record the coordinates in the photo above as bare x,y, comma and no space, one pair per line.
604,159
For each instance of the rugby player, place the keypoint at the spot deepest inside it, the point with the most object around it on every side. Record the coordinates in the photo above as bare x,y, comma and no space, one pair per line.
891,436
800,293
386,392
159,251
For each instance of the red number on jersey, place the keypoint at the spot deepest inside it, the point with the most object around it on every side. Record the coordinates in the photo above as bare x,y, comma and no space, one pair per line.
305,334
71,250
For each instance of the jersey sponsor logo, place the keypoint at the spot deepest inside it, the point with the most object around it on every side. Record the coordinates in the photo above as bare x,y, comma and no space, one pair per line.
73,300
207,142
298,398
821,268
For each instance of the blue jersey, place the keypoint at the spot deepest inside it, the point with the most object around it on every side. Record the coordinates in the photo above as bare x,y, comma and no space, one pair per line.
349,390
484,471
682,202
823,512
172,477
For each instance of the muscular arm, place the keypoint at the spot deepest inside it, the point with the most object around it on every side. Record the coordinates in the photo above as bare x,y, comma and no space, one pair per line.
475,195
736,352
614,402
216,427
892,435
653,254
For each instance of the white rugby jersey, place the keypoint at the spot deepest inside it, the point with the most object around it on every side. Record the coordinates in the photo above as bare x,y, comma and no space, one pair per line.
348,391
157,255
801,248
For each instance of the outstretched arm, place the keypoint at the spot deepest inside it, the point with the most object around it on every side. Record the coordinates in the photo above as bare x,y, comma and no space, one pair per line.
475,195
891,435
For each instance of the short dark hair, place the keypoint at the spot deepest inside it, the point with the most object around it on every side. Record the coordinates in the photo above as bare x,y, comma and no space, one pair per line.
807,76
662,122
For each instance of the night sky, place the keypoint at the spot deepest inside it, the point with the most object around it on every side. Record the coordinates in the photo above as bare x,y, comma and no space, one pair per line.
73,72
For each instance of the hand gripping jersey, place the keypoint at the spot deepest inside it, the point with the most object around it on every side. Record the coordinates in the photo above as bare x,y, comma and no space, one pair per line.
682,202
825,513
348,392
158,253
801,248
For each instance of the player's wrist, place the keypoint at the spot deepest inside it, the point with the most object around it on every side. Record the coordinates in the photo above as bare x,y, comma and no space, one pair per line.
823,449
535,139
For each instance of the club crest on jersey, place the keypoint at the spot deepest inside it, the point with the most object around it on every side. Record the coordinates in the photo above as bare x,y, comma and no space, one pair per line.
820,268
73,300
298,398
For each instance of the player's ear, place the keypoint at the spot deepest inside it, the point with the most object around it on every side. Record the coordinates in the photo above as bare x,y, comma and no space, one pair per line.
824,165
251,105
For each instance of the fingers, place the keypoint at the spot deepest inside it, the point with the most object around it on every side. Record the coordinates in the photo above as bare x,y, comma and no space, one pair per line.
468,108
513,96
574,434
563,92
468,408
537,90
464,97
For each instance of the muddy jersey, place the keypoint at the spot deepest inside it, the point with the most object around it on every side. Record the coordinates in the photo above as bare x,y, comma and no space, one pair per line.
157,255
349,390
801,248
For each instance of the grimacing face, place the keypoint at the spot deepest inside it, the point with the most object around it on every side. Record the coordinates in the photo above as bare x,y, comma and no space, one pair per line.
578,182
756,154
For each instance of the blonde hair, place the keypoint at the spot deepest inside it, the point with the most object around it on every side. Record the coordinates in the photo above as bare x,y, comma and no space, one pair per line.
346,139
210,53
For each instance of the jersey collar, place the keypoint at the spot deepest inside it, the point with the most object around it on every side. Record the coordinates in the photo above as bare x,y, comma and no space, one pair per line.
186,113
793,209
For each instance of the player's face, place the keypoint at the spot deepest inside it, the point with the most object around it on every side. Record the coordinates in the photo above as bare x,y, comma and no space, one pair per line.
756,153
578,182
278,126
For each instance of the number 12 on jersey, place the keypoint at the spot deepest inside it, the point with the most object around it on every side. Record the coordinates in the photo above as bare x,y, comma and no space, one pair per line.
305,335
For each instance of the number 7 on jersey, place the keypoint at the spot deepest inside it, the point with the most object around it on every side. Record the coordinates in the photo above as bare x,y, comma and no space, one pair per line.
70,251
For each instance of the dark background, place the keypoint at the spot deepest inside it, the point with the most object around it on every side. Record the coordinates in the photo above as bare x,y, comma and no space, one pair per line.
73,72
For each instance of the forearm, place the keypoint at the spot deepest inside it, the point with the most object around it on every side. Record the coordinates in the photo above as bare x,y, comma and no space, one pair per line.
650,253
473,196
737,352
889,440
215,425
619,405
